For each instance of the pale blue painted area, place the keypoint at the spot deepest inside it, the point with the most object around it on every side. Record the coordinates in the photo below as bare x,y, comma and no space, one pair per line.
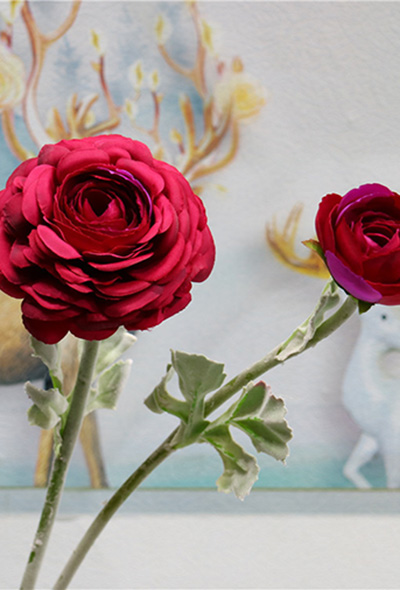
181,472
306,474
8,162
208,501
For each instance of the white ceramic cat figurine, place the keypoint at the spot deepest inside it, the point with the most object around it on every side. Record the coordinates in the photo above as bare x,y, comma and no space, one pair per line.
371,394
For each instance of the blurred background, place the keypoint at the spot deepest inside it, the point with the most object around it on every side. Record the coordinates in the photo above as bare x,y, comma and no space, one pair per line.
284,102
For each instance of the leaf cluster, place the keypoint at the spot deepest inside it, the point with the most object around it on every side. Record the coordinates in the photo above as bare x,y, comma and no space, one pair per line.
50,406
257,413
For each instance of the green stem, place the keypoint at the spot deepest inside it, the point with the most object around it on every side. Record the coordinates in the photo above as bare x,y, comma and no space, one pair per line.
169,445
114,503
59,471
270,360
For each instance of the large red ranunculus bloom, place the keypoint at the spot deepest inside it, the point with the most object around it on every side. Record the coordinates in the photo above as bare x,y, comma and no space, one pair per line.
95,233
360,238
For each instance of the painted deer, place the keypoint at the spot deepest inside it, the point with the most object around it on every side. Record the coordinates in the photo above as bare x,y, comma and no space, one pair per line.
371,394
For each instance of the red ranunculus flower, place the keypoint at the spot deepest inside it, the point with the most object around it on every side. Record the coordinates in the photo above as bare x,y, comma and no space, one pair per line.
360,238
95,233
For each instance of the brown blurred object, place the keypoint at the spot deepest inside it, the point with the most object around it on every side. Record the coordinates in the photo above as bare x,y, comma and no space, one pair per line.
16,361
17,365
90,440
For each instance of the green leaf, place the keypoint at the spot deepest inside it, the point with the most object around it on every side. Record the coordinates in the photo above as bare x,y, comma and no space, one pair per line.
265,425
301,337
109,387
240,469
363,306
112,348
197,374
316,247
262,417
50,355
197,377
160,400
48,406
251,401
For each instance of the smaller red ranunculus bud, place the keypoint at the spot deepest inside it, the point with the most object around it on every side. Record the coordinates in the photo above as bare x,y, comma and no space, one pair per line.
95,233
359,235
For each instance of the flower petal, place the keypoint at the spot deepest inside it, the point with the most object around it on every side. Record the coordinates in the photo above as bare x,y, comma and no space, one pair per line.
352,283
78,160
56,244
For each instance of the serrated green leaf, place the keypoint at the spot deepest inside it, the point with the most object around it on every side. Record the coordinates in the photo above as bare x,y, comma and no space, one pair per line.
160,400
50,355
113,348
240,468
49,406
300,338
197,374
109,387
267,428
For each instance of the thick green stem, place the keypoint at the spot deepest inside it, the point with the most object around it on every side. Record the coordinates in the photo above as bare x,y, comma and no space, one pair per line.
57,479
169,446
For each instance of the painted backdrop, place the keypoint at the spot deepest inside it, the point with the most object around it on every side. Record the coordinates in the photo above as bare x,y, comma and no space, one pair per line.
266,107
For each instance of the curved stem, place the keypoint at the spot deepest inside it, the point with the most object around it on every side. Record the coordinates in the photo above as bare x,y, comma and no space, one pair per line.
169,446
115,502
270,360
61,463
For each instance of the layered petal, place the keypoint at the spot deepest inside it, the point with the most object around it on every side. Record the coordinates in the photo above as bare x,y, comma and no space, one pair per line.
360,237
95,234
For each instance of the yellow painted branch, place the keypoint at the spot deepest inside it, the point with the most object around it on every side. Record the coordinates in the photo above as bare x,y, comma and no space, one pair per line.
7,121
211,140
175,66
39,46
65,26
188,119
113,110
198,72
211,168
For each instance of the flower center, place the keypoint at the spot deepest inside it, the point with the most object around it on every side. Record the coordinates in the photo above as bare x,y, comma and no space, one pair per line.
379,230
107,196
98,201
